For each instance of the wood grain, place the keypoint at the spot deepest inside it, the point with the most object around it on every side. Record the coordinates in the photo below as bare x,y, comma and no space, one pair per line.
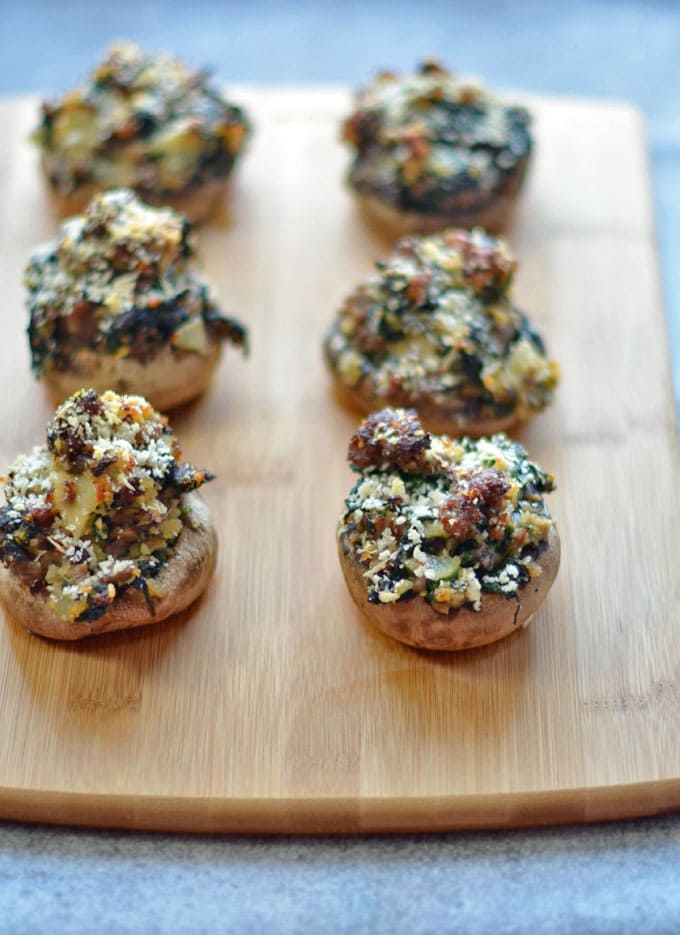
270,705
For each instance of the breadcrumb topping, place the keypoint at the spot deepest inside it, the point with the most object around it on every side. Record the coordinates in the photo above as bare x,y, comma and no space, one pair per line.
434,142
465,518
120,279
145,121
435,326
98,508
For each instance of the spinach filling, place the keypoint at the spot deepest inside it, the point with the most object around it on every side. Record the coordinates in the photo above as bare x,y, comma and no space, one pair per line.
119,280
141,120
99,508
436,325
468,519
435,143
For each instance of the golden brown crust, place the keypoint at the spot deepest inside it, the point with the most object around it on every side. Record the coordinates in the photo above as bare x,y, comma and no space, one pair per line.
434,419
167,380
198,205
415,623
181,581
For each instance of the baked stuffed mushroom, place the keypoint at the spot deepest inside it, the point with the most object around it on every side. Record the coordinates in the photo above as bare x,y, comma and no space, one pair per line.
445,544
115,302
102,527
435,328
142,121
434,150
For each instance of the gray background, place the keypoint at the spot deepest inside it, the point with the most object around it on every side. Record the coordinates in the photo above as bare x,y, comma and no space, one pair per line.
617,878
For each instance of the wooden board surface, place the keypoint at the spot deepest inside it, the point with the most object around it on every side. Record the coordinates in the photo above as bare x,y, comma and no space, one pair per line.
270,705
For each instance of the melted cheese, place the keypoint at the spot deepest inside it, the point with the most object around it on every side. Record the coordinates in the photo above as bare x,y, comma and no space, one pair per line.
75,498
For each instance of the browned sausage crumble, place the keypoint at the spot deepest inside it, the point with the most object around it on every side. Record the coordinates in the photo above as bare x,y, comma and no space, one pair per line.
120,279
436,327
434,143
440,519
97,509
144,121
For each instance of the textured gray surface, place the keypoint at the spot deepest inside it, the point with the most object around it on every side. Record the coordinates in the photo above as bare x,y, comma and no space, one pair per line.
619,878
613,879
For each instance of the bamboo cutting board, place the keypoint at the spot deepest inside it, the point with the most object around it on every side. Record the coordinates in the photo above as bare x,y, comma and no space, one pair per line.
270,706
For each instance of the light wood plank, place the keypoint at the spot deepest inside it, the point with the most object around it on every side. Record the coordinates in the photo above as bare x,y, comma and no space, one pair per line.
270,705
